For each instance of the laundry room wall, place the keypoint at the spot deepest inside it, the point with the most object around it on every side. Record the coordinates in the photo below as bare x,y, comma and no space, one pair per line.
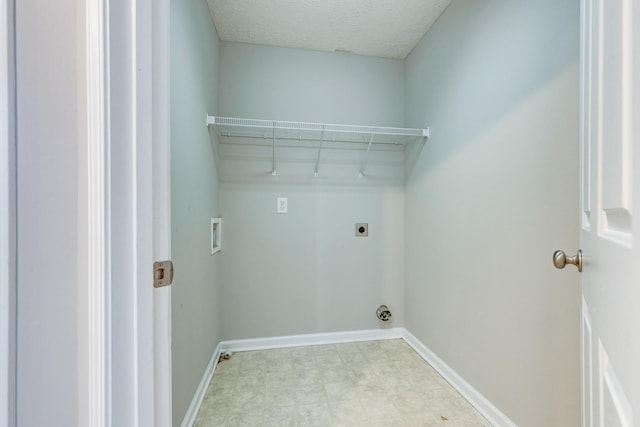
490,197
194,199
305,271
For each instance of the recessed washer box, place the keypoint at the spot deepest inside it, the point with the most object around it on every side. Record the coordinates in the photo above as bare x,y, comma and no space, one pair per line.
362,229
216,235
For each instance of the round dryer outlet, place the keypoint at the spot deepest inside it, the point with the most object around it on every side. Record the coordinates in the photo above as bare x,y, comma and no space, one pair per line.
362,229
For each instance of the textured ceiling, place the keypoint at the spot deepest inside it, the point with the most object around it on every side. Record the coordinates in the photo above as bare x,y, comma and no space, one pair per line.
385,28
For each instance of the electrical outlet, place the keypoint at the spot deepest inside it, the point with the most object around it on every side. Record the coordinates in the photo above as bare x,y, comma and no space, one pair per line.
362,229
282,206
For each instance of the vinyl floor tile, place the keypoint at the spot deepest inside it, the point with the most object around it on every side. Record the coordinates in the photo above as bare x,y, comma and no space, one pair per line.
351,384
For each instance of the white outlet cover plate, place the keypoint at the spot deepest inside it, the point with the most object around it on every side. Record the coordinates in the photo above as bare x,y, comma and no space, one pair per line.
282,206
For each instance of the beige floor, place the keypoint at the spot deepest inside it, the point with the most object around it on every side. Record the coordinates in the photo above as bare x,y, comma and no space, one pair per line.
374,383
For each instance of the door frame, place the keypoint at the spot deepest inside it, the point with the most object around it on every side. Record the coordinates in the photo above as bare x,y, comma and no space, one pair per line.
94,285
136,78
151,186
161,189
7,215
127,63
148,187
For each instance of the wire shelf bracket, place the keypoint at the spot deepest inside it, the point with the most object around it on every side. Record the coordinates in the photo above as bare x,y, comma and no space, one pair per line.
316,172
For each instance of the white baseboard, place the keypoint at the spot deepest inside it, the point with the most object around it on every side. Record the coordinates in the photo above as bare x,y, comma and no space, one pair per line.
311,339
477,400
198,396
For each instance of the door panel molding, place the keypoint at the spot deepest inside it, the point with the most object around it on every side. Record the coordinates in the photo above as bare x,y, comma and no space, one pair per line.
587,129
614,138
587,366
615,408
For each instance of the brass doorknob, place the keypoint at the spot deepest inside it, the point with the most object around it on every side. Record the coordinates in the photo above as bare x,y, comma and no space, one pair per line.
560,259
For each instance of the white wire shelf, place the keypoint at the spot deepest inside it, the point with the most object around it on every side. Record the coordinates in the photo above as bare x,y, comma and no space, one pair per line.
268,129
321,132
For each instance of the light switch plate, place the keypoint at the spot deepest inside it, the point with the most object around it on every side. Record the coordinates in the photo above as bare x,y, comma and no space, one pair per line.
282,206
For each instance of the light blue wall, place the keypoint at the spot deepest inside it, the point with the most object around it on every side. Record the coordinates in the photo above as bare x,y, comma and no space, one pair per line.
263,82
306,272
491,196
460,241
194,198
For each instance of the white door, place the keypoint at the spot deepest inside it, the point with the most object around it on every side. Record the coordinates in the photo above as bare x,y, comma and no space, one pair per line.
608,231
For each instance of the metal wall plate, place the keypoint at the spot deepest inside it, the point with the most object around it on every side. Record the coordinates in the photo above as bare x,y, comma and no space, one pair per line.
362,229
162,273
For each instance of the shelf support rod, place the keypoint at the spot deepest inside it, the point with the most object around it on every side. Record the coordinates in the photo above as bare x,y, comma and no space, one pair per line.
273,147
319,149
366,156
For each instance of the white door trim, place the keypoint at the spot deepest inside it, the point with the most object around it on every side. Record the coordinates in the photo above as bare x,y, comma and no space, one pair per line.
152,210
7,216
94,353
97,221
162,207
143,215
131,215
